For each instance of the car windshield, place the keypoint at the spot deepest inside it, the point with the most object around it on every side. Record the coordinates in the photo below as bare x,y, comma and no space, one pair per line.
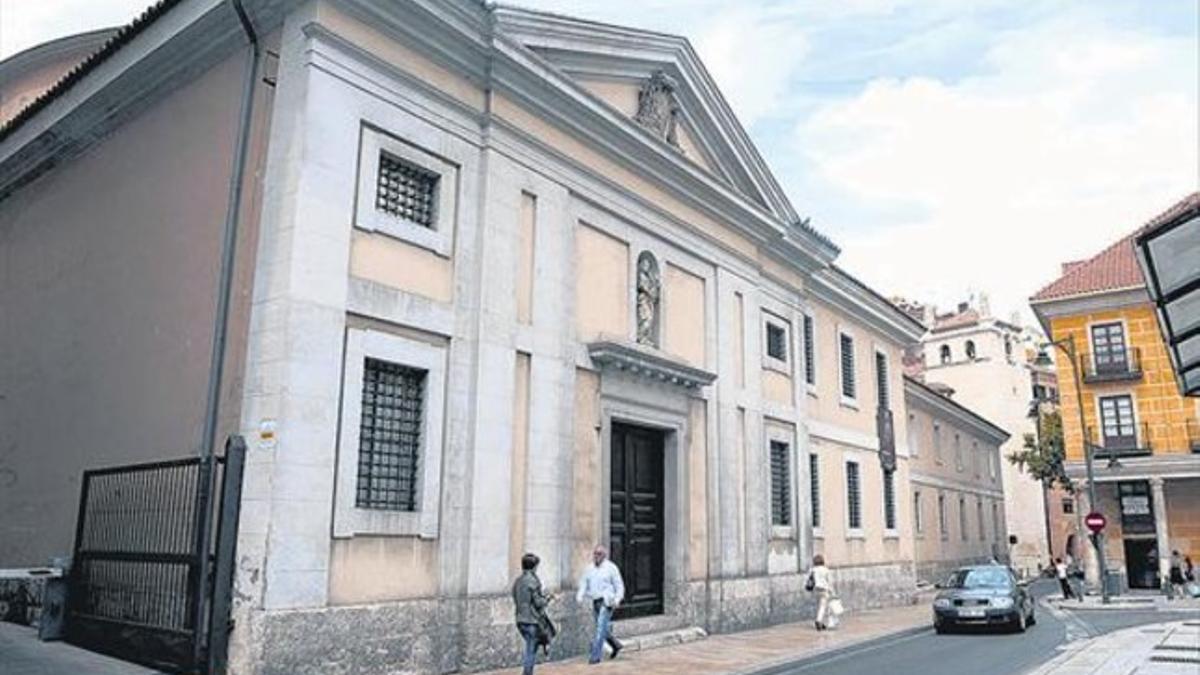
981,577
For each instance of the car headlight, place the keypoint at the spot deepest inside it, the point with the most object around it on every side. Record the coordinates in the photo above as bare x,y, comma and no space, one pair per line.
942,603
1002,603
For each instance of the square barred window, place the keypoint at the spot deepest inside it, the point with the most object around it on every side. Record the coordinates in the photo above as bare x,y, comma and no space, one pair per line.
406,190
390,436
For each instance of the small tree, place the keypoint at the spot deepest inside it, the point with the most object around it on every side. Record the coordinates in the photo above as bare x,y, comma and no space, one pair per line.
1043,457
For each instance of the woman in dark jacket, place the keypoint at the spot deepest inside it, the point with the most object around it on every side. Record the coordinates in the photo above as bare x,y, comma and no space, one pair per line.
530,604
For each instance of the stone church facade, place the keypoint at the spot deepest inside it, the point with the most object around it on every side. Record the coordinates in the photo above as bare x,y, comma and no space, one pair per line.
506,281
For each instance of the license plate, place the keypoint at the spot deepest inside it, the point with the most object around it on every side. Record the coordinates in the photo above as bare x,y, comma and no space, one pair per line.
971,613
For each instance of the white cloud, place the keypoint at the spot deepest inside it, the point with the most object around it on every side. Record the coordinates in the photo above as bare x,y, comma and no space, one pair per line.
753,54
1075,134
25,23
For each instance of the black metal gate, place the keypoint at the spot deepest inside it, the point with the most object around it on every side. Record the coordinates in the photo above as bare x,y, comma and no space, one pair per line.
153,564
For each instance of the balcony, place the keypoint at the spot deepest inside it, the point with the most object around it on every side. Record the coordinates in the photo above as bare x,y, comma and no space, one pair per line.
1118,447
1117,366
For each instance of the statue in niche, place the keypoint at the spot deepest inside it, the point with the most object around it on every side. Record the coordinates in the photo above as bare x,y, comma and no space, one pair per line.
649,293
657,108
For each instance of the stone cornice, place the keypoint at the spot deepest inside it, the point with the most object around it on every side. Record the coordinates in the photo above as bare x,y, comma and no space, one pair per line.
649,364
1178,465
838,290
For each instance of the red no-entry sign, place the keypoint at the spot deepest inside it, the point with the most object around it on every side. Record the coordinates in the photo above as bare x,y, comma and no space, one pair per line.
1095,521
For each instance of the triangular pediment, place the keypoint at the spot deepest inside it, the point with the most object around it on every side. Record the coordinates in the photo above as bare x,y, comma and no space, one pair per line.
647,76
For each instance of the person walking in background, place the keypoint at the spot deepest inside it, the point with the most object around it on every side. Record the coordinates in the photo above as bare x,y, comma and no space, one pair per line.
1189,570
1064,579
530,604
1175,576
602,586
819,580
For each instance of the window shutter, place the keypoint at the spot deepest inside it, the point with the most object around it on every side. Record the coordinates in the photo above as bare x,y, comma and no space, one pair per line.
810,362
881,380
814,483
849,390
889,500
853,496
781,494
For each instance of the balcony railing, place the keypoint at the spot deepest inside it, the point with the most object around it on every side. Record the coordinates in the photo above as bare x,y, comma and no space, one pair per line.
1193,435
1110,447
1115,366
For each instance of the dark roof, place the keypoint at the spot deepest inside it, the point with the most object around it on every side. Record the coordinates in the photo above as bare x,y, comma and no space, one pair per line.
1115,267
120,39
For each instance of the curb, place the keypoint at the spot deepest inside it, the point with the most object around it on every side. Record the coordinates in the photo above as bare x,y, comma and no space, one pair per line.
787,663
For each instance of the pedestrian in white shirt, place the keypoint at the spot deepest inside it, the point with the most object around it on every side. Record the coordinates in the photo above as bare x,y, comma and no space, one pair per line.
601,585
821,583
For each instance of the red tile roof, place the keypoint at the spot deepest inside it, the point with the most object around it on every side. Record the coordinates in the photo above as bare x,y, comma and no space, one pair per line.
1114,268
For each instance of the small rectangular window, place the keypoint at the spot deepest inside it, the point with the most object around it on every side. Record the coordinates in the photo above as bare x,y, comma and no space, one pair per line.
942,516
889,500
1116,422
881,380
958,455
814,486
390,436
937,441
914,442
777,342
810,361
781,493
962,517
853,496
846,355
406,190
979,512
918,520
1068,505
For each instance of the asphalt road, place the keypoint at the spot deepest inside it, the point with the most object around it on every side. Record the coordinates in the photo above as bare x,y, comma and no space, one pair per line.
977,652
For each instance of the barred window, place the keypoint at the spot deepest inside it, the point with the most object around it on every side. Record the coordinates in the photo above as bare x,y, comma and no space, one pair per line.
849,386
853,496
942,516
889,500
979,512
777,342
814,486
810,361
781,492
389,436
406,190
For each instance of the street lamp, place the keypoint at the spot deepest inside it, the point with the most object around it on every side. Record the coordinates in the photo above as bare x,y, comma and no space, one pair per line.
1067,345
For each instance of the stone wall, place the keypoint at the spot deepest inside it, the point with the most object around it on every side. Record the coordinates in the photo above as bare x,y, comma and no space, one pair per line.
457,635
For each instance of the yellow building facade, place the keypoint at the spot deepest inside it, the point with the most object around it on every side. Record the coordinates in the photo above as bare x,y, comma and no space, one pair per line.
1143,436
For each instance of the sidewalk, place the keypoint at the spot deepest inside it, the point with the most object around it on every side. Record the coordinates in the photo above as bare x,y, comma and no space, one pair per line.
1157,649
750,651
1144,602
21,653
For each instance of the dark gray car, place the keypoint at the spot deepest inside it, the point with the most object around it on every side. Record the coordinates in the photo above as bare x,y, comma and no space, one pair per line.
983,595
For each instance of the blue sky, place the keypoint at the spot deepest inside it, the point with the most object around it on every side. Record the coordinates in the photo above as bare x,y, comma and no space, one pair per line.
949,146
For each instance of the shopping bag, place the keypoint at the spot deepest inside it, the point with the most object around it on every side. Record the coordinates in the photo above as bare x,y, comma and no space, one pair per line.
1193,589
835,607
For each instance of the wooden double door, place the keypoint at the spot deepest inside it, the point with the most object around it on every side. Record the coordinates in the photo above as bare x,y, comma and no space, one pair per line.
636,517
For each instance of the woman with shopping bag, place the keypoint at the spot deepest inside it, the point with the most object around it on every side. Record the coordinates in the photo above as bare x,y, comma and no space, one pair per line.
828,605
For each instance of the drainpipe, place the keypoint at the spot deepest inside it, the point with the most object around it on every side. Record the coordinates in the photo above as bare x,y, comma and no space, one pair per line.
229,234
201,543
